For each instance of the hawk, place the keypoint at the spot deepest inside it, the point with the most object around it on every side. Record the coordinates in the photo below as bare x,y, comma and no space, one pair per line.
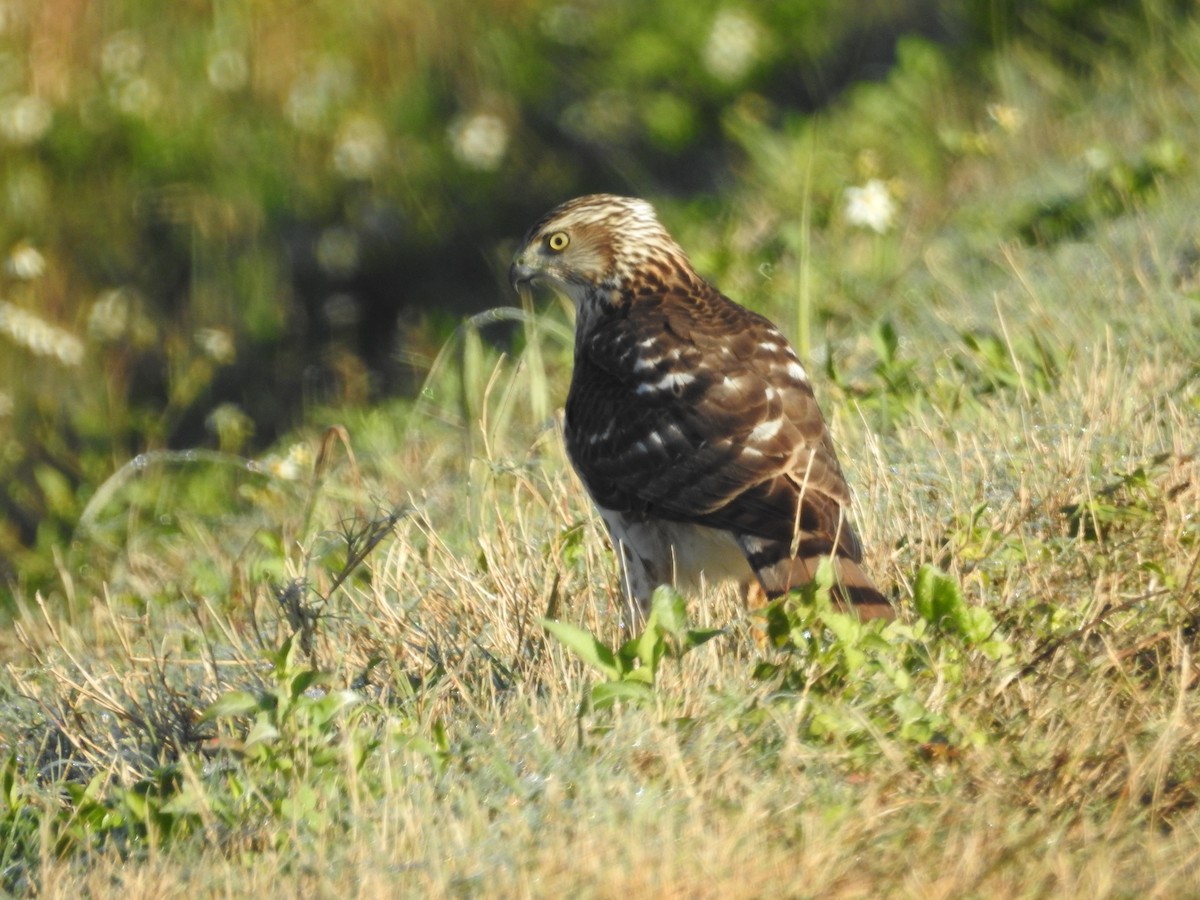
689,418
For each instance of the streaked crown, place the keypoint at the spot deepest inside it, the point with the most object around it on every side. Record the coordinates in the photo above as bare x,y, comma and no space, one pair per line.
598,242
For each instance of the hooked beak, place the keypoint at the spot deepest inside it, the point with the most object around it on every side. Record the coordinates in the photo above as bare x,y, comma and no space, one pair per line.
521,276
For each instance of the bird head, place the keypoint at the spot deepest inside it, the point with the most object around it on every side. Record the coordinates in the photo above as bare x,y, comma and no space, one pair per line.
600,242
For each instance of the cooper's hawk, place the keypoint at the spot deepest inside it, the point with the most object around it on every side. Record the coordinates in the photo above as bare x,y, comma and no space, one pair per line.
689,418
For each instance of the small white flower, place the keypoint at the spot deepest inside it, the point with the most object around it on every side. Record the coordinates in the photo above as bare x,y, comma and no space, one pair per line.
227,70
230,424
119,315
38,336
359,148
1097,158
338,252
316,95
479,140
1009,118
25,262
870,206
306,109
291,467
25,120
733,45
122,54
216,344
138,97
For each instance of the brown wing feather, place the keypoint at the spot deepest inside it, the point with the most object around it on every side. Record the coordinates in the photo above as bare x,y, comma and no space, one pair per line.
689,452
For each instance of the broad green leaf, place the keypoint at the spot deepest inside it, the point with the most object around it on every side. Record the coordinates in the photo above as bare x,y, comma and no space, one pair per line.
669,608
8,782
694,637
846,628
234,703
330,705
885,340
188,802
822,582
136,804
606,693
647,648
940,602
585,646
938,598
303,680
263,732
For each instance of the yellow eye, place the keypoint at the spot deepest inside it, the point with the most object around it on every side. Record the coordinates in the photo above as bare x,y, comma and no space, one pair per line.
558,241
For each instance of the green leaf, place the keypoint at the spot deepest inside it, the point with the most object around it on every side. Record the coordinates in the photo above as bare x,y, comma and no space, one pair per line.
440,736
606,693
647,648
302,681
263,732
188,802
694,637
330,705
8,782
669,608
586,647
136,804
937,597
886,341
234,703
939,601
822,583
778,623
283,658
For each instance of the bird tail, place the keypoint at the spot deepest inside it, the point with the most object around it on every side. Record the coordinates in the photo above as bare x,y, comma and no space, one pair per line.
853,589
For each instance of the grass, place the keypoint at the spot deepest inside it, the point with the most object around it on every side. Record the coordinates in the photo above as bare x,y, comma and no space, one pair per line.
325,671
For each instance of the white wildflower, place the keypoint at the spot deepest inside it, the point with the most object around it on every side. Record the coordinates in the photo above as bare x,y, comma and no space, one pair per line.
291,467
1097,158
1009,118
230,424
870,206
39,336
119,315
359,148
25,120
479,140
138,97
338,252
109,316
306,108
122,54
734,45
228,70
314,96
25,262
216,344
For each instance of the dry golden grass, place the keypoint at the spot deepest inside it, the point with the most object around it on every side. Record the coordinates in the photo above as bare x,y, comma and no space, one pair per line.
1068,768
1035,434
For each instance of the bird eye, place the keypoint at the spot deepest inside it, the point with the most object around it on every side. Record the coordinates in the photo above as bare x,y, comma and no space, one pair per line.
558,241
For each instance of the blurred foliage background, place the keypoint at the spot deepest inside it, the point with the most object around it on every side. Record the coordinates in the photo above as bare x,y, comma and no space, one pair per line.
217,216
